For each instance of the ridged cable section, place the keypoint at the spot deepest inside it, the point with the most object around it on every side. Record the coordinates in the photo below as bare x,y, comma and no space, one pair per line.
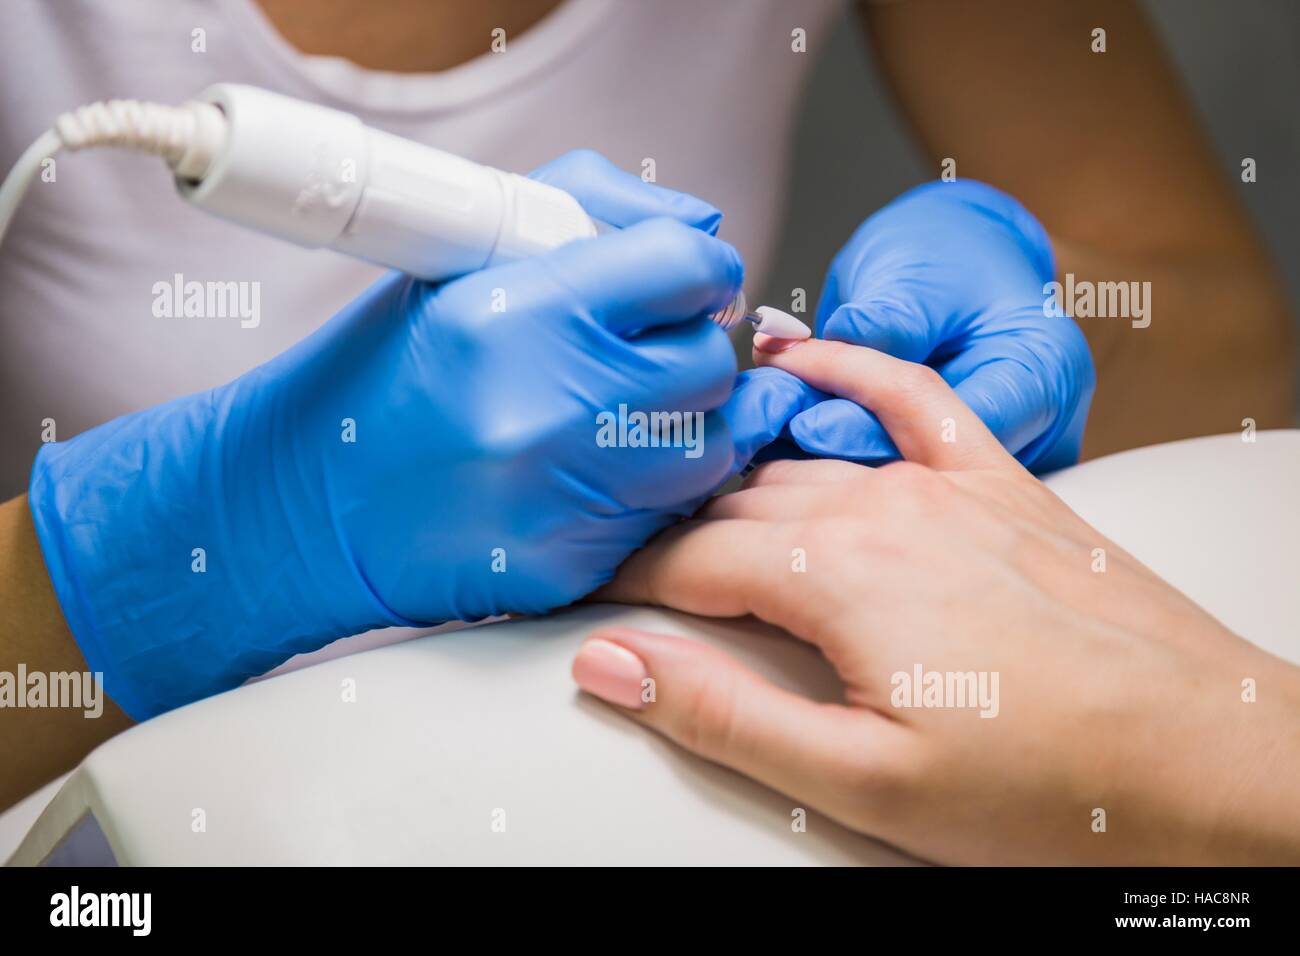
187,137
165,131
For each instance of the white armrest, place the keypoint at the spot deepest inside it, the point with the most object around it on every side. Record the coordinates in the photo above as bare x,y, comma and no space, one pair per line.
448,732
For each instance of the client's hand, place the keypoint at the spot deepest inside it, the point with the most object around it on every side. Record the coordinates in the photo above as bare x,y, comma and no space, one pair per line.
1084,710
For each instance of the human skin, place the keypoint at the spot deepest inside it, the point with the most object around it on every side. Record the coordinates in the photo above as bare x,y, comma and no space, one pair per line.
38,744
1116,692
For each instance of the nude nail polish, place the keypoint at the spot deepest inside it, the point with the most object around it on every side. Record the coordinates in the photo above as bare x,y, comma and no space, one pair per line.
771,345
610,672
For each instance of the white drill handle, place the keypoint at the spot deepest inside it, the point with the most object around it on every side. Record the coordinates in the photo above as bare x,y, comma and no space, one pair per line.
319,177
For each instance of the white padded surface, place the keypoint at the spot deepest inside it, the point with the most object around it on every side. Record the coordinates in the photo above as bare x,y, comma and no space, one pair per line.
450,728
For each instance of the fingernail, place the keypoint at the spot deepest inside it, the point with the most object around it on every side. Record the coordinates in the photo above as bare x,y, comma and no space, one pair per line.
610,672
771,344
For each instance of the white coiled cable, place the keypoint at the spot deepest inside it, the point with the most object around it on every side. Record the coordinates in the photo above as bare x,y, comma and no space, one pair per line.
187,137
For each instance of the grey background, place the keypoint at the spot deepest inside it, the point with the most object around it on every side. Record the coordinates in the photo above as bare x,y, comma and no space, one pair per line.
1240,61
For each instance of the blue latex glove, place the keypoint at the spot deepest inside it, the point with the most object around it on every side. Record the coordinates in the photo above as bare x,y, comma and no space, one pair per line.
952,275
475,485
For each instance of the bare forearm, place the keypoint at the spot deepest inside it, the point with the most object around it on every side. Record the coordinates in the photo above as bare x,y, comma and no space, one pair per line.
1214,345
43,737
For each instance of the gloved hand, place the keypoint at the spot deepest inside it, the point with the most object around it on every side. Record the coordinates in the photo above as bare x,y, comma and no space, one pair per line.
952,275
422,457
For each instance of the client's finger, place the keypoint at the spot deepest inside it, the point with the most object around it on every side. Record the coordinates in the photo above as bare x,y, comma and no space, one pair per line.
727,569
816,471
788,502
710,704
922,414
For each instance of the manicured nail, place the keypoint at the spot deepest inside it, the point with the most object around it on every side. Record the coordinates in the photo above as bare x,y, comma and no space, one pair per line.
610,672
771,344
